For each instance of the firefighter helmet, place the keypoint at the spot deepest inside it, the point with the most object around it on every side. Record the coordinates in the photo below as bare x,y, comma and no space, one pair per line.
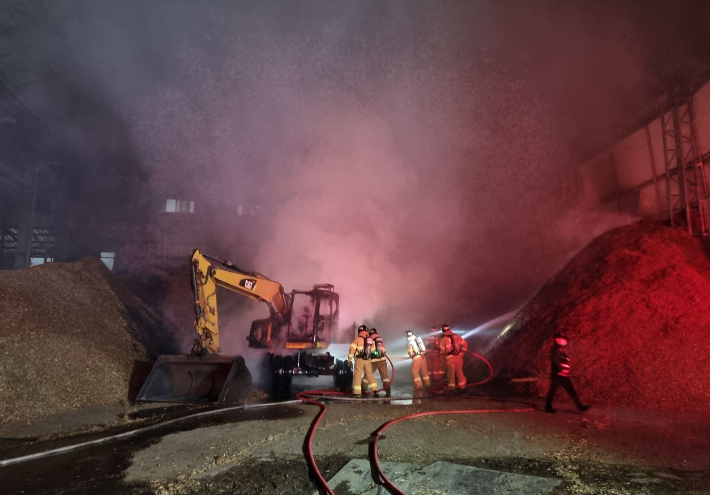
409,334
362,328
445,329
561,339
373,331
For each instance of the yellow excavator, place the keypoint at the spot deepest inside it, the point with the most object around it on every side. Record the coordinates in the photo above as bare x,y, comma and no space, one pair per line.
301,320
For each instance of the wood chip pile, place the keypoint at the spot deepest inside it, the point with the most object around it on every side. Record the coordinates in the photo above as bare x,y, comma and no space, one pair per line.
66,340
636,306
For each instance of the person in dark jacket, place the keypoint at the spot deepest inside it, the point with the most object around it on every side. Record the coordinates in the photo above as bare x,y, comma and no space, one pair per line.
559,374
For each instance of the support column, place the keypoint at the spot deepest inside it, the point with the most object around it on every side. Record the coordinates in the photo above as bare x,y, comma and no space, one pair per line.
31,221
653,170
24,234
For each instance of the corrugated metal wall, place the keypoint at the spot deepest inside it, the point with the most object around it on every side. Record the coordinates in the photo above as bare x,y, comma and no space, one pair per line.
625,171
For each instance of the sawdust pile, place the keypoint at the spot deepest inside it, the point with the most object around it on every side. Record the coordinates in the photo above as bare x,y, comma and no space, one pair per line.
67,340
636,306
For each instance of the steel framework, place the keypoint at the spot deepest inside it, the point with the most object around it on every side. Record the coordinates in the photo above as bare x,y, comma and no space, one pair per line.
686,185
43,242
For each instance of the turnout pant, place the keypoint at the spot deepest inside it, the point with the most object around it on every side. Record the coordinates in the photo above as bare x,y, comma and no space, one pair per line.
419,368
363,367
433,361
557,380
454,372
380,365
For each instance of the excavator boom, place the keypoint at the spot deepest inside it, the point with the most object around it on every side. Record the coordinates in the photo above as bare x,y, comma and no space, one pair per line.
208,273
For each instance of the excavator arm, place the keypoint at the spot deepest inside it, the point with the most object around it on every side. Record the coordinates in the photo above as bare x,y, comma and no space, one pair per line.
208,273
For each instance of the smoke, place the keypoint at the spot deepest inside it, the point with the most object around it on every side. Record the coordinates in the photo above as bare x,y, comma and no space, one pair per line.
412,154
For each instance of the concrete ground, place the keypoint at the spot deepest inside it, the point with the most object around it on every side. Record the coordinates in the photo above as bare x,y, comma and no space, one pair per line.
604,451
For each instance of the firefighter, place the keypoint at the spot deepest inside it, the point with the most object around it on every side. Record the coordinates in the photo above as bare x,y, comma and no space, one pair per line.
433,359
452,348
559,374
417,351
379,362
361,349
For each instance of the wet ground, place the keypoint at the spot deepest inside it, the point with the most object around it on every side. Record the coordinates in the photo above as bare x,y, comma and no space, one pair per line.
605,451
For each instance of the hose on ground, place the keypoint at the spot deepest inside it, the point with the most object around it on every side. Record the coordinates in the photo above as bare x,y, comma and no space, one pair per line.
308,441
133,433
374,456
307,398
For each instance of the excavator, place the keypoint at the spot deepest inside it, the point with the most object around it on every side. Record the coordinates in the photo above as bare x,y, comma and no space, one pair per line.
301,322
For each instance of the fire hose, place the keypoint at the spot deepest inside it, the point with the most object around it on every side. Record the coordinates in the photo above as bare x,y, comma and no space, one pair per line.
307,398
133,433
374,456
490,370
392,366
308,441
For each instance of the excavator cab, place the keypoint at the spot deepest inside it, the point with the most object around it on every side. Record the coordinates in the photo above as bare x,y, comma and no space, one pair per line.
314,317
313,326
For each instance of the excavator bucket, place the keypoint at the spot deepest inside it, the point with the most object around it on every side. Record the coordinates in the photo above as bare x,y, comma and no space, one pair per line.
208,380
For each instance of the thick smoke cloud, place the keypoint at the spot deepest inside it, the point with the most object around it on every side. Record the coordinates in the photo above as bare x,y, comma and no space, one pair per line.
412,154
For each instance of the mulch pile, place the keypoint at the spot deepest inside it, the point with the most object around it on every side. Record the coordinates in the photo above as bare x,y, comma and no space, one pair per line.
70,337
636,306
